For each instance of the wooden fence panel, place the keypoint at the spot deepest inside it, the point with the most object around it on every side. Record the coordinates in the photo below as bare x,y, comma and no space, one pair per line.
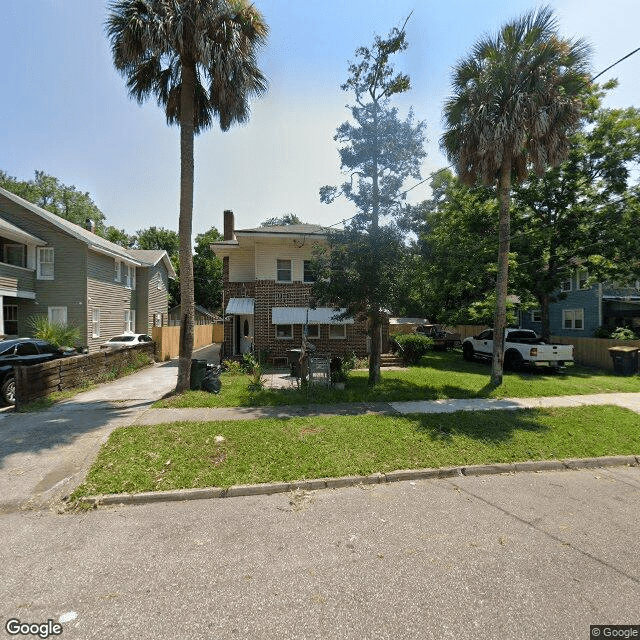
167,339
594,352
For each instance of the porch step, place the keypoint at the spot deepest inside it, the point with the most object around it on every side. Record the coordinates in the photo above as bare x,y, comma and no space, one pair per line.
390,360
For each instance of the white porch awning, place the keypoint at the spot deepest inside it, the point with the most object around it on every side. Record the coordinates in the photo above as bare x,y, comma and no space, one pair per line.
240,307
298,315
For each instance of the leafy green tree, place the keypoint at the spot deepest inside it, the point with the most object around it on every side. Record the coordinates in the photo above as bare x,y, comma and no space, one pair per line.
198,59
516,100
286,219
583,213
119,236
49,193
158,238
207,271
378,152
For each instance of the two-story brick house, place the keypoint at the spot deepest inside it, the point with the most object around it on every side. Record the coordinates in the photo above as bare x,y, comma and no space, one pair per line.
50,266
267,293
586,307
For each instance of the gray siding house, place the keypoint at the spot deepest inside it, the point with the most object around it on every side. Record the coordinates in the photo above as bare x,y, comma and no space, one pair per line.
52,267
588,307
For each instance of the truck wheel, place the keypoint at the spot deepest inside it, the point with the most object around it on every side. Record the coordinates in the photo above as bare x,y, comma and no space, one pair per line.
9,390
513,361
467,352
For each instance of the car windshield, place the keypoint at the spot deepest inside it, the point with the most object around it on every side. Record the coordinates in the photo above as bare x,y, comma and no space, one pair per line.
122,339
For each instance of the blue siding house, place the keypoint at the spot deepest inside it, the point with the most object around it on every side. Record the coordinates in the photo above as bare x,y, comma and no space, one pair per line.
586,308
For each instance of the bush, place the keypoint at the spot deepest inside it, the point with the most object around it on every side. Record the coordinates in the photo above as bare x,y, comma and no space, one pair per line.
411,347
59,335
232,366
623,333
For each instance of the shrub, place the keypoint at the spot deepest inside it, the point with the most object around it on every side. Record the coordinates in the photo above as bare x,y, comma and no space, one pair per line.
59,335
623,333
232,366
602,332
411,347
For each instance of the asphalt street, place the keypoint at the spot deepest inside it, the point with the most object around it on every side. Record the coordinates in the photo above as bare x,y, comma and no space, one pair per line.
525,556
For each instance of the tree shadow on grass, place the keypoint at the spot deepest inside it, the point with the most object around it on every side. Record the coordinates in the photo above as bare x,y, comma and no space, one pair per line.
484,426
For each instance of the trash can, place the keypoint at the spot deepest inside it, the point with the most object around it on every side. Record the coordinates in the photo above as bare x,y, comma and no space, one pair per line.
625,360
198,372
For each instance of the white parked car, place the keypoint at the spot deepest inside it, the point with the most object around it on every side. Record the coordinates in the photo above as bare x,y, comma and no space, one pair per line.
126,340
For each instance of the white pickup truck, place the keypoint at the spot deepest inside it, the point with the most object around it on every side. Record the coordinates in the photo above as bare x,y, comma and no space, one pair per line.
521,347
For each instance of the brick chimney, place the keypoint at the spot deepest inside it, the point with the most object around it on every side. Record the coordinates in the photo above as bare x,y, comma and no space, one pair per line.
229,225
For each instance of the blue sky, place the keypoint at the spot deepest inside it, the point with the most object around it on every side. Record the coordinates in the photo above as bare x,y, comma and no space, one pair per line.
66,111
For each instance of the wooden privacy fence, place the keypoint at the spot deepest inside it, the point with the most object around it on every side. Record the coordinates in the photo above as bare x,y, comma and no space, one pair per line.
594,352
167,339
39,380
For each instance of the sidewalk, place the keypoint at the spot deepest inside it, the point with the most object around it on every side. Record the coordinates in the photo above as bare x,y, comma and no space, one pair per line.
157,416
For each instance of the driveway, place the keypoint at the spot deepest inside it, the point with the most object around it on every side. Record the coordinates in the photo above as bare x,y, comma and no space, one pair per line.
45,455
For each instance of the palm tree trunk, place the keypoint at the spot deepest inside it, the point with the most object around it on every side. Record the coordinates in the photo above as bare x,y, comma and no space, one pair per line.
185,226
502,280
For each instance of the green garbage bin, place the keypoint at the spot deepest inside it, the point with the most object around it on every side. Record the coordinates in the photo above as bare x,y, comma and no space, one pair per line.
198,372
625,360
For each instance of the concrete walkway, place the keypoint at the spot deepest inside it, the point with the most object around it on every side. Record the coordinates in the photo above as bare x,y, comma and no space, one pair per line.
157,416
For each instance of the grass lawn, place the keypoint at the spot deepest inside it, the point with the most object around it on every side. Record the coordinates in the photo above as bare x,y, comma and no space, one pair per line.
185,455
440,375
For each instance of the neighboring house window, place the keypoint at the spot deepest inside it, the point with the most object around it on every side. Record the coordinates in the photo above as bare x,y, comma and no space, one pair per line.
118,271
284,271
45,263
337,331
284,331
573,318
313,331
10,319
536,316
565,285
158,319
129,320
129,276
309,275
15,254
58,315
95,323
583,276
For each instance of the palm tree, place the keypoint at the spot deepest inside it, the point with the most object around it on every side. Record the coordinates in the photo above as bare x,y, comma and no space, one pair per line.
516,101
198,58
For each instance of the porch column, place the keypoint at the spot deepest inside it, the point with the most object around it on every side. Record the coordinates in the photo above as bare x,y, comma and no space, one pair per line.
1,315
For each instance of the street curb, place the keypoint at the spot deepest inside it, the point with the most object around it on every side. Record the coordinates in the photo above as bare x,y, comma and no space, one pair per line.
351,481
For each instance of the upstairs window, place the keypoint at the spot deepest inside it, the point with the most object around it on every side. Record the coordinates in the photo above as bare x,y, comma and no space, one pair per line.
45,263
117,274
283,272
583,276
129,276
565,285
15,254
309,274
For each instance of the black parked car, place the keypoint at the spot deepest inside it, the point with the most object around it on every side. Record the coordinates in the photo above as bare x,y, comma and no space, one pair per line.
23,351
